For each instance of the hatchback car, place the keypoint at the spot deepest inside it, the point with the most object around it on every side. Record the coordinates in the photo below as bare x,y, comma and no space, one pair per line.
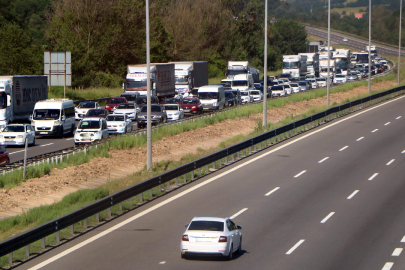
256,94
246,97
173,112
118,123
16,134
339,78
90,130
306,85
212,236
295,87
158,115
191,105
277,90
101,113
128,109
83,107
113,102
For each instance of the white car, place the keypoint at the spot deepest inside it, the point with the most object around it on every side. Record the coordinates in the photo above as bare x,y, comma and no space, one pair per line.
339,78
90,130
256,94
277,90
211,236
321,82
246,97
313,83
83,107
344,39
119,123
16,134
295,87
129,109
173,112
287,89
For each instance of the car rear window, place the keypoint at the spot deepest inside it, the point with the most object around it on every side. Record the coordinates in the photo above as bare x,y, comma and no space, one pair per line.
116,101
202,225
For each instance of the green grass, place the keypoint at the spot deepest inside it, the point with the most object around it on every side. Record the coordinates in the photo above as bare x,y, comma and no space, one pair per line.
88,93
15,178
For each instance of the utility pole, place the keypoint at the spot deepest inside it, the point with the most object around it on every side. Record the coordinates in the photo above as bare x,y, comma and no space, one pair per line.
148,96
399,46
369,47
328,81
265,69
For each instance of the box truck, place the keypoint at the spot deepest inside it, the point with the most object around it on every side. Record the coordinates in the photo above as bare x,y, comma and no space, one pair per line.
189,75
295,64
18,95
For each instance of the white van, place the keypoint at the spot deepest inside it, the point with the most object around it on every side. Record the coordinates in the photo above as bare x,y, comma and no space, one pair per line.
54,117
212,97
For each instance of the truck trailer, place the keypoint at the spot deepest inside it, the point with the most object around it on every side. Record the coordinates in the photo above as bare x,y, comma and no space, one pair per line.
161,75
312,63
190,75
342,58
236,68
295,64
18,95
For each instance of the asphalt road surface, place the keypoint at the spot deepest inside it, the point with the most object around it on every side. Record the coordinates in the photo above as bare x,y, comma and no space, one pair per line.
335,199
360,44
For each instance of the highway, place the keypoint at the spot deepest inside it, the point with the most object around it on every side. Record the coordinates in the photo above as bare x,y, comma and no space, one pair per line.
330,198
360,44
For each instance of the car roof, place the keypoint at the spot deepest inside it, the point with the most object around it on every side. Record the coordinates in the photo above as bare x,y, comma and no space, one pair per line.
209,218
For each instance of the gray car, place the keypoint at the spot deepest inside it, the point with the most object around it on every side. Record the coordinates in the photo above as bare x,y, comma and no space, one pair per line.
158,114
351,76
304,85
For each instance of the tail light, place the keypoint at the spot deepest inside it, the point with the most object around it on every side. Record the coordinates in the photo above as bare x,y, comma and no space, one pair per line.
223,239
184,238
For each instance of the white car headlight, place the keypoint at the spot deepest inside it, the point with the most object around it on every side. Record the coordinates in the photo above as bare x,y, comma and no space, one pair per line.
1,136
214,104
122,125
20,137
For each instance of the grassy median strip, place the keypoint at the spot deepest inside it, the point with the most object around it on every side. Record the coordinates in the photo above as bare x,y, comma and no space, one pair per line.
39,215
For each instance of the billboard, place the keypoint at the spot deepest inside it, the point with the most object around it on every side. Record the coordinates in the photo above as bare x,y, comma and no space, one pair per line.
58,67
358,16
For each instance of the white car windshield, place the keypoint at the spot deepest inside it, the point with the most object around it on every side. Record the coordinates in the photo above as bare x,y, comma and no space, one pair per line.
115,118
13,129
202,225
171,107
87,124
86,105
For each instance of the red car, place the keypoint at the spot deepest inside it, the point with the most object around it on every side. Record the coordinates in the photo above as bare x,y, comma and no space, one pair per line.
114,102
100,113
4,157
191,105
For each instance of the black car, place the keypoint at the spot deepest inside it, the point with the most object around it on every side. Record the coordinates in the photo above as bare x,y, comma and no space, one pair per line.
158,114
230,99
141,100
130,97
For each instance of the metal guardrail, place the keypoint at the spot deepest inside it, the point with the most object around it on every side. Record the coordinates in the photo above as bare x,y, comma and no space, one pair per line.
264,140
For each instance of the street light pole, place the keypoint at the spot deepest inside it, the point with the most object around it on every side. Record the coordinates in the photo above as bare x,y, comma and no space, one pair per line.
148,95
399,46
265,69
369,47
328,80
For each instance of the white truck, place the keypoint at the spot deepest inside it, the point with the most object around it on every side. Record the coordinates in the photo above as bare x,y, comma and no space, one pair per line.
236,68
18,95
243,82
342,59
161,75
189,75
312,63
296,65
373,50
323,66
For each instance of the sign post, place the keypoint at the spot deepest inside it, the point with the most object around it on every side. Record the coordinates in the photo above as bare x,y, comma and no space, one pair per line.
58,67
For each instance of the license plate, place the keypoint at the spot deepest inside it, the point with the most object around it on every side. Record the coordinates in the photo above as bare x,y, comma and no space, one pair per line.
10,141
86,139
205,108
186,110
203,240
43,133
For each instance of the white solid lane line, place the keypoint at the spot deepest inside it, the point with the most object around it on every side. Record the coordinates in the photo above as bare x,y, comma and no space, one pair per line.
397,252
206,182
352,195
375,130
267,194
372,177
398,117
403,152
327,217
387,123
162,262
388,266
300,174
295,246
46,144
323,160
359,139
17,152
237,214
403,240
343,148
389,163
70,139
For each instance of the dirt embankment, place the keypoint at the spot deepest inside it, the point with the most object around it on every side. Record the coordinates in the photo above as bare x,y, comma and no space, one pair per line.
58,183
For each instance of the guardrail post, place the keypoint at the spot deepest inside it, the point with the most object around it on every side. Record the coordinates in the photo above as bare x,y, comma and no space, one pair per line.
10,258
141,197
27,250
199,171
206,169
120,204
238,154
58,237
185,178
250,150
85,223
109,212
72,229
192,175
130,199
150,194
43,243
220,162
168,185
254,148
